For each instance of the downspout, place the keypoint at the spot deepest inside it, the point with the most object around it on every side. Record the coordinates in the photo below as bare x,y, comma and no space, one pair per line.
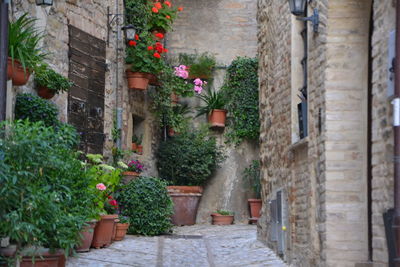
396,127
3,56
118,96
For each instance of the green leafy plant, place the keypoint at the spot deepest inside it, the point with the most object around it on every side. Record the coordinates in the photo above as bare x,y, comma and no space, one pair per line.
145,55
224,212
137,14
241,88
189,158
252,176
147,204
162,15
23,42
44,193
200,65
212,100
179,118
34,108
46,77
123,219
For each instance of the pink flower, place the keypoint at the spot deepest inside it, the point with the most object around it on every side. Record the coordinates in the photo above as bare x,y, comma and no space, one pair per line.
198,82
198,89
101,187
181,72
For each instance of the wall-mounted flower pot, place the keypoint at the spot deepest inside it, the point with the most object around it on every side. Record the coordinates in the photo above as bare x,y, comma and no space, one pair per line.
218,219
255,207
137,80
129,176
192,76
140,149
217,118
134,147
16,72
103,231
186,202
121,230
87,237
45,92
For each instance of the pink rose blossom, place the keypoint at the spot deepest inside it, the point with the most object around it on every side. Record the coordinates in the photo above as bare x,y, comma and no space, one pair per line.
101,187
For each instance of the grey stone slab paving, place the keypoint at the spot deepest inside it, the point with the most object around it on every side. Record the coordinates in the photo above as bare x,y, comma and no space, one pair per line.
197,246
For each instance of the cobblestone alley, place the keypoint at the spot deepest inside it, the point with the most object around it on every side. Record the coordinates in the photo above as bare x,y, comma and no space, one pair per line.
200,245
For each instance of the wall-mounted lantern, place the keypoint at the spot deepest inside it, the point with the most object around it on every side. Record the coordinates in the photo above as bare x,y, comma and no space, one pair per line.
129,32
298,8
44,2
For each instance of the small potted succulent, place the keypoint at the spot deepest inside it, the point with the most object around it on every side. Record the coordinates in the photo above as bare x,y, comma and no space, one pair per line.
214,106
24,53
222,217
135,167
122,228
49,82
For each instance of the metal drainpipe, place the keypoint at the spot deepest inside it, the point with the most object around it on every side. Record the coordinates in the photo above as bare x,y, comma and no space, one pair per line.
396,126
3,56
118,97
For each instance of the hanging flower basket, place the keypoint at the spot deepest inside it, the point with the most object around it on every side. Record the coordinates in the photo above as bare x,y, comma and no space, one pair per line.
16,72
45,92
137,80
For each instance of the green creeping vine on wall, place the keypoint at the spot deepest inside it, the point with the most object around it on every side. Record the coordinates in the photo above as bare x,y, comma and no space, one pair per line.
241,89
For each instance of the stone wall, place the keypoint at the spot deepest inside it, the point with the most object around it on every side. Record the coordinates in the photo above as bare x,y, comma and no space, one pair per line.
227,29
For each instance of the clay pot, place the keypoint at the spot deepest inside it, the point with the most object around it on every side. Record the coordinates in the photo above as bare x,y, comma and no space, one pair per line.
87,237
103,231
42,258
218,219
134,146
186,202
129,176
16,72
121,230
114,230
255,207
217,118
153,80
137,80
140,149
171,131
45,92
174,98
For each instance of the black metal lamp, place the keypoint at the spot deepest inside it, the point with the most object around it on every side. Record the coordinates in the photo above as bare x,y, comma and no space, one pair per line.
44,2
298,8
130,32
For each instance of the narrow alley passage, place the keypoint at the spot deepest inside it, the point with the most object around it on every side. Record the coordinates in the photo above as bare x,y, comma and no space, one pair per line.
198,246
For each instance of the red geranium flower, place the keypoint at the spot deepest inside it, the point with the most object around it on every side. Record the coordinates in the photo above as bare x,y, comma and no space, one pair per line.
168,3
165,50
180,8
131,43
136,37
158,5
113,202
150,48
155,10
168,17
158,44
159,35
160,49
157,55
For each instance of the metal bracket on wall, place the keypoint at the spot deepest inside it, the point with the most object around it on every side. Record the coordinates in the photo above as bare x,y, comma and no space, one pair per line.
314,19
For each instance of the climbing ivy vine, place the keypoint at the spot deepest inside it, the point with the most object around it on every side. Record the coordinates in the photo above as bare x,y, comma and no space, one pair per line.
241,88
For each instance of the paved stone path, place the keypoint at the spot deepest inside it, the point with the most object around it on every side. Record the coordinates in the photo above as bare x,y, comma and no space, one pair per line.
197,246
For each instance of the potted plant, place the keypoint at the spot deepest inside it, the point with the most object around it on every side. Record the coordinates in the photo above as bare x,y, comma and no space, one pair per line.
178,119
187,161
135,141
162,17
24,53
214,106
49,82
222,217
252,176
144,55
135,167
104,180
122,227
139,145
199,66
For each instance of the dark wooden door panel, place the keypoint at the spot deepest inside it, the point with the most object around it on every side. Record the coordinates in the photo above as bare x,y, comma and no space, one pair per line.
87,68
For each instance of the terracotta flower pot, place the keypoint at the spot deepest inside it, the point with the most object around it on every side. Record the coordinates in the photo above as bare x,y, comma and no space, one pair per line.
45,92
171,131
116,221
121,230
186,202
103,231
140,149
42,258
255,207
16,72
134,146
218,219
217,118
137,80
129,176
87,237
153,80
174,98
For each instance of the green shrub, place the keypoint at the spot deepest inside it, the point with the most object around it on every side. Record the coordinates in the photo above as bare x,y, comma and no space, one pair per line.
147,204
252,176
34,108
44,189
188,158
200,65
54,81
241,88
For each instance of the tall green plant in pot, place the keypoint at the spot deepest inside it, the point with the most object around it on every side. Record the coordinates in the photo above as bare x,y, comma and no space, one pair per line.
252,176
187,161
214,107
24,53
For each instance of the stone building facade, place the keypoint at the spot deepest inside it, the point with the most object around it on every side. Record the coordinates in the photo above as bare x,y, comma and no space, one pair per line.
324,195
